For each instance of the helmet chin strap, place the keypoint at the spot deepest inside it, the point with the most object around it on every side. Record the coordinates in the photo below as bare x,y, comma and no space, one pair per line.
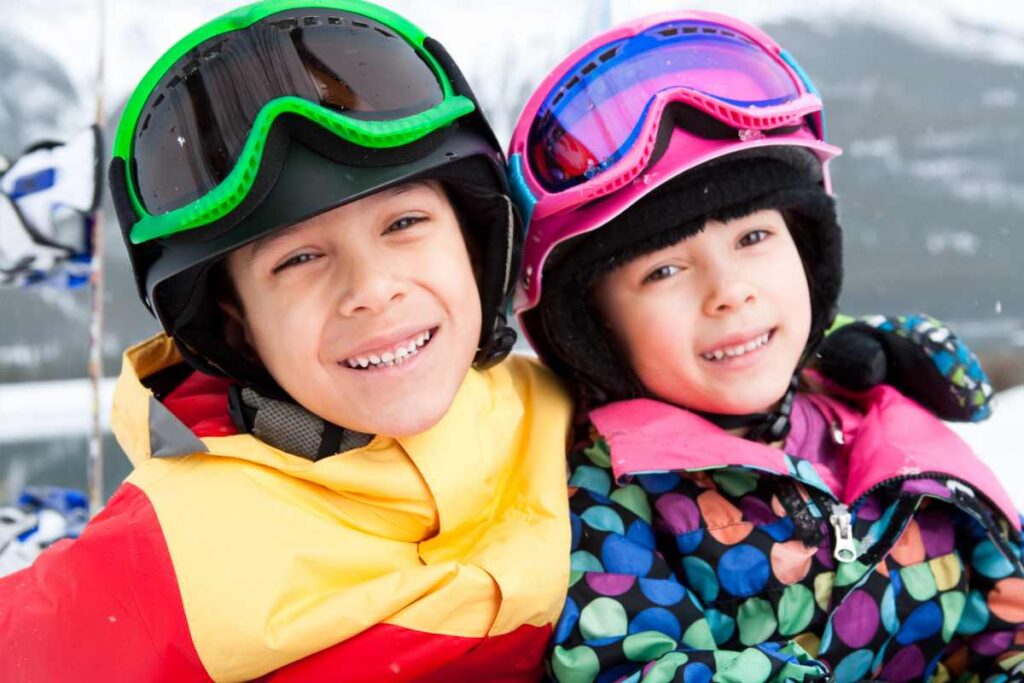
771,426
766,427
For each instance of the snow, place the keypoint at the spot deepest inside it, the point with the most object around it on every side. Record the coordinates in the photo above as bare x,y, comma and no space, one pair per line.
998,441
31,410
533,35
483,36
992,29
34,410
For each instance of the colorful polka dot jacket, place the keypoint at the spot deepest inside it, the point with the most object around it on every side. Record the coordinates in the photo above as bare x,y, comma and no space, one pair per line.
697,555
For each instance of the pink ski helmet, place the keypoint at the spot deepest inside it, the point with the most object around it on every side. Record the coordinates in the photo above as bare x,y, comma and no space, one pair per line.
599,133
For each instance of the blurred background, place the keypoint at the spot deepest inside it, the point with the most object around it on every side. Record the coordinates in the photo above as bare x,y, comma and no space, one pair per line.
926,98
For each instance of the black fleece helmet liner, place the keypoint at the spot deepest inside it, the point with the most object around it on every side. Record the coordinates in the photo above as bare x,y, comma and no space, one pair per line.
565,327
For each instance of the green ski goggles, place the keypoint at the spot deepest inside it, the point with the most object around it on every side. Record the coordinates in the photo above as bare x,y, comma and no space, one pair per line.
194,133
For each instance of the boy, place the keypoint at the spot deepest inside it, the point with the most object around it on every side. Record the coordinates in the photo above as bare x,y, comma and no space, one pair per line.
350,485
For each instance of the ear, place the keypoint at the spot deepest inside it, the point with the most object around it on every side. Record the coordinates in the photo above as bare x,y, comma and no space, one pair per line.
237,332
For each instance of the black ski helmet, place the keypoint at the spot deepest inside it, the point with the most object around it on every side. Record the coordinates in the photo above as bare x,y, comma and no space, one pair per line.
305,168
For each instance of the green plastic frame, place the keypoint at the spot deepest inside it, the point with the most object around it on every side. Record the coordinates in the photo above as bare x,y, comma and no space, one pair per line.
224,198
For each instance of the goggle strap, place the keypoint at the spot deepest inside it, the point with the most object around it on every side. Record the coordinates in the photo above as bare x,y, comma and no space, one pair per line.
460,85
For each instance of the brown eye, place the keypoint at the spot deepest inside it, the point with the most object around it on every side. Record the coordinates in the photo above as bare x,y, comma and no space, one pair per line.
404,223
753,237
661,273
296,260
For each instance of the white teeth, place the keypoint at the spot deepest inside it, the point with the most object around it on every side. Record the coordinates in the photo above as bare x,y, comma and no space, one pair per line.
738,350
388,359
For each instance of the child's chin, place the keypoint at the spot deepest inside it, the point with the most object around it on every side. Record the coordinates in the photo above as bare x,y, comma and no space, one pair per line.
413,416
747,405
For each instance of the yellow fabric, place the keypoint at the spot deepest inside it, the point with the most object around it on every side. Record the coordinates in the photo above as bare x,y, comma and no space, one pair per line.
462,530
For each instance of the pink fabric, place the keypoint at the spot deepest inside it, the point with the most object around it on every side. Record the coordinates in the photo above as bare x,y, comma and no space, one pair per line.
810,438
898,437
651,436
891,437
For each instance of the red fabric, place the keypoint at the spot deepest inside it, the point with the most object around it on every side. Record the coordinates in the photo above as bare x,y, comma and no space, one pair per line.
396,654
201,403
105,607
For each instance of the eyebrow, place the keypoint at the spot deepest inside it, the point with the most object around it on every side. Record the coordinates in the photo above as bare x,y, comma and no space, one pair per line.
262,243
408,187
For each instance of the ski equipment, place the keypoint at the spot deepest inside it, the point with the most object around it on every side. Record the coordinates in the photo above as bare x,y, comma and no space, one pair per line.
279,111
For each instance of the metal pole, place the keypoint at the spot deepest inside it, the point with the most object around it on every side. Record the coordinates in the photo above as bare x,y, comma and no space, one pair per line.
95,463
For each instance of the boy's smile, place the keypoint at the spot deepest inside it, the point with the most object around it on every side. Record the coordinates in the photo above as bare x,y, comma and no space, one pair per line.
389,354
716,322
367,315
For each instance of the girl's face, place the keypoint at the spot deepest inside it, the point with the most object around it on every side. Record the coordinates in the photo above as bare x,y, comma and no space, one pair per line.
367,315
717,322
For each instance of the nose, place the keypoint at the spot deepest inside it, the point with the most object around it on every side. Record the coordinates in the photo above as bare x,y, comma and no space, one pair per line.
727,292
368,287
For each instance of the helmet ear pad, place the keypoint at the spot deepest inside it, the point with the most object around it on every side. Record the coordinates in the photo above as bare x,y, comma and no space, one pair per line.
493,235
566,328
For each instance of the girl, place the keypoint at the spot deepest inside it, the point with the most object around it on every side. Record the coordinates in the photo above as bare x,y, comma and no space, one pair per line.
734,515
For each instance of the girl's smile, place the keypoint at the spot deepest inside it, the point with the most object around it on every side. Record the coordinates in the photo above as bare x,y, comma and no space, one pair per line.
740,346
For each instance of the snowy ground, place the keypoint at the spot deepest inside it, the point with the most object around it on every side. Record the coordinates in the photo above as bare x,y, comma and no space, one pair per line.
998,441
31,410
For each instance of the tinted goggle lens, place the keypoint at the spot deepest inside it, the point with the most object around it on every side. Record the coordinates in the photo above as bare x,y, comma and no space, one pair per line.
593,116
195,123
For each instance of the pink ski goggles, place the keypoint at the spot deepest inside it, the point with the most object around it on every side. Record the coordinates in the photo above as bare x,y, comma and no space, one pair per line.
593,125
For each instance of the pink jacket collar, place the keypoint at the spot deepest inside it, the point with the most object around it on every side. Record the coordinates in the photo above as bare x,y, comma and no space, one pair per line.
893,437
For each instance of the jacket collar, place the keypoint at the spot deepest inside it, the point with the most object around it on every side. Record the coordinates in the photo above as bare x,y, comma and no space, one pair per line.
454,463
888,438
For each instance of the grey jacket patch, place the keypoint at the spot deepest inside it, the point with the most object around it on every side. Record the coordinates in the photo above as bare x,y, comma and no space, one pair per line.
168,437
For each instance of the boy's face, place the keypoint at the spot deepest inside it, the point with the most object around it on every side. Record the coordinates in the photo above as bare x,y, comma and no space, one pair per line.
367,315
716,322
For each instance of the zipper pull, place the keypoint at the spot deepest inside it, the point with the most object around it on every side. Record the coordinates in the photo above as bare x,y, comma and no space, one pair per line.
959,490
837,433
845,551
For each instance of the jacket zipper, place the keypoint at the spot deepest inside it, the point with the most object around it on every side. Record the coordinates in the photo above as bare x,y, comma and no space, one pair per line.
843,549
840,516
841,519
